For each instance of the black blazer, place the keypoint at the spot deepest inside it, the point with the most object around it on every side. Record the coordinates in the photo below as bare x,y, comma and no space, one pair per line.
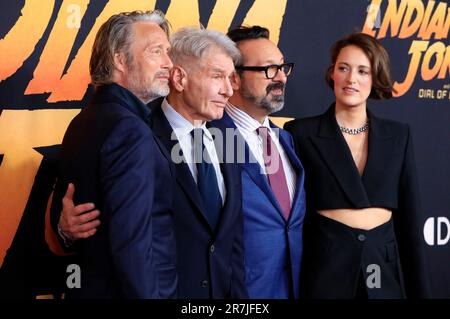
210,262
389,181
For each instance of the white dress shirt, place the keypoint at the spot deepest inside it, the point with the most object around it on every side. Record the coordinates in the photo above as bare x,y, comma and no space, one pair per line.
247,126
182,129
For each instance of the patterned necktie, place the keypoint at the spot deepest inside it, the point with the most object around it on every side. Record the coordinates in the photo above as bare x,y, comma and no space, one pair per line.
275,171
206,179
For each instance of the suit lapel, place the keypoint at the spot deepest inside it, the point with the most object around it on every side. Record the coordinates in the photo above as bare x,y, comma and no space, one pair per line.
296,164
249,163
229,180
228,173
381,147
336,154
253,169
163,130
164,150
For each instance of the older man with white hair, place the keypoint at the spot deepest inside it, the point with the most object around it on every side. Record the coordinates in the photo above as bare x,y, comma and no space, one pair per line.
207,205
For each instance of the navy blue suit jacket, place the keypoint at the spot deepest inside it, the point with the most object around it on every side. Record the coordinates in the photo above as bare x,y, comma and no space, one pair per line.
210,261
112,157
273,245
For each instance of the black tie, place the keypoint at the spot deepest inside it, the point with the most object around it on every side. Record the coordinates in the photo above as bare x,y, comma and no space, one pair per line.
206,179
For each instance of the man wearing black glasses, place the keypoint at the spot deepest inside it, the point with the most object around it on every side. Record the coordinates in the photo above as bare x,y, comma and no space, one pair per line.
273,200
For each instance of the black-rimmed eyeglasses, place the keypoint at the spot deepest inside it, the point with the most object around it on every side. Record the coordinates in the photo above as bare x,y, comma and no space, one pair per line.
271,71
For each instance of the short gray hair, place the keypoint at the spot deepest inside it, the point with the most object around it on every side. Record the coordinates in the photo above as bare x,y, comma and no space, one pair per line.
115,35
196,42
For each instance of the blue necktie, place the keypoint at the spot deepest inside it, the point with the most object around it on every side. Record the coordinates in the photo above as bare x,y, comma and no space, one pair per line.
206,179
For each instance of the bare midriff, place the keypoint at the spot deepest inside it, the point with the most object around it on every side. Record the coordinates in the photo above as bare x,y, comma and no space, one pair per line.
362,218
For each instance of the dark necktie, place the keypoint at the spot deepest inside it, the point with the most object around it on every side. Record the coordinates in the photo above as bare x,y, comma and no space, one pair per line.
275,171
206,179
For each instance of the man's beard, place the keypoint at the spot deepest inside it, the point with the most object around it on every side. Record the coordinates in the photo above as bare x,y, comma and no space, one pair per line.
271,105
143,89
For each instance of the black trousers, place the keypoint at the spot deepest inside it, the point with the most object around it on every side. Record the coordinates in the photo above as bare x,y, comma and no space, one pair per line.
344,262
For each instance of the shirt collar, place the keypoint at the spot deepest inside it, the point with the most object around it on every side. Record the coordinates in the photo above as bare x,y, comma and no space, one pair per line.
246,124
181,126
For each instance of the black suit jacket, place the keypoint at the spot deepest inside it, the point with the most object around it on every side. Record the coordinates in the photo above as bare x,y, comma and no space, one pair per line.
389,181
210,261
112,157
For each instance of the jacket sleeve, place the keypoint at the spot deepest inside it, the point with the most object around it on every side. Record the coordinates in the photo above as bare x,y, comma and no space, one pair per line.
238,287
56,208
408,221
55,212
127,179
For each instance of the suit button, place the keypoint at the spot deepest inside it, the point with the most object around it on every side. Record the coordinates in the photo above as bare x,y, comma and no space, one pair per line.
212,248
361,237
204,283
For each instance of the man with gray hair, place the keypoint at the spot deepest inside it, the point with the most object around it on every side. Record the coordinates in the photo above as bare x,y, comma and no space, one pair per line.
207,205
110,153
